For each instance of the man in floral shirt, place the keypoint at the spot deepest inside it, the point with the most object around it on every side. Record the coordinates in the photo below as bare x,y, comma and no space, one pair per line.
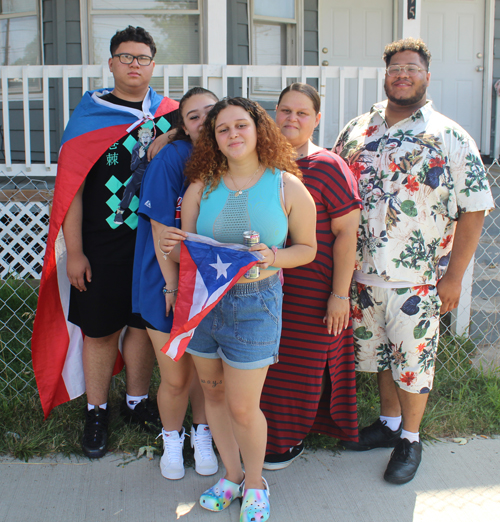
425,194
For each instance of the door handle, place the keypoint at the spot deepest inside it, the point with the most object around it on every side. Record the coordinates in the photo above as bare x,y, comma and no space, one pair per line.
479,68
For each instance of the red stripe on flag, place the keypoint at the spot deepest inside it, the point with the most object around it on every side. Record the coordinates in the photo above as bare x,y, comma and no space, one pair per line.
48,348
187,288
50,338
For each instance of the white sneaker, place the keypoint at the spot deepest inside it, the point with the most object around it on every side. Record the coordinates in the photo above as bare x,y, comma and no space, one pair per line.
205,461
172,461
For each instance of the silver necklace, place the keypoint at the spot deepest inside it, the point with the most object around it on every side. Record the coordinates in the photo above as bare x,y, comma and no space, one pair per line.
239,192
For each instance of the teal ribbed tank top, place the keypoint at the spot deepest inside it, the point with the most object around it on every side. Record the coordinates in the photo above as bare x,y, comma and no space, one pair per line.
225,216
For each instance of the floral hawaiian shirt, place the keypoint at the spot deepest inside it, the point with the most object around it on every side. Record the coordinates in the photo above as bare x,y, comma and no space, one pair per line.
415,179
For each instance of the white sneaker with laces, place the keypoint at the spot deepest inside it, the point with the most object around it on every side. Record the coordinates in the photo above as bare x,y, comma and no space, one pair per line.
205,460
172,461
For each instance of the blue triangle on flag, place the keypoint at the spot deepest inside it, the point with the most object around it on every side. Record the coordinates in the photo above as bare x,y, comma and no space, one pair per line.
204,256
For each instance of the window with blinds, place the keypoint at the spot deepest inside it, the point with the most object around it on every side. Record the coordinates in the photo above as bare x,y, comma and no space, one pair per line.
274,28
174,25
20,38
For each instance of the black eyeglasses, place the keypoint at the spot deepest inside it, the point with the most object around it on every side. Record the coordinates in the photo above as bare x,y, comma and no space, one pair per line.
127,59
395,70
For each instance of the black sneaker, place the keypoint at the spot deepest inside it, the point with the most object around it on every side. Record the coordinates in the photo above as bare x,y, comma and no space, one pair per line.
404,462
377,435
145,414
95,433
276,461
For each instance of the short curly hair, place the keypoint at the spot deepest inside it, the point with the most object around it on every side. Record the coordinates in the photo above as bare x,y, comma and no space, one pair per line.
408,44
132,34
207,163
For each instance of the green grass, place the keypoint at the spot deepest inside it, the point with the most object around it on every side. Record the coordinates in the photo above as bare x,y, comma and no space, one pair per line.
24,434
457,407
464,400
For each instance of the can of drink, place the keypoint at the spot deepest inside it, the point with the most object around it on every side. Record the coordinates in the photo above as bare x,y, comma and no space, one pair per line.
251,237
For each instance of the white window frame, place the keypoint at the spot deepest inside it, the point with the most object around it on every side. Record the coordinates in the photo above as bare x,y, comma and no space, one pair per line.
294,49
86,13
36,92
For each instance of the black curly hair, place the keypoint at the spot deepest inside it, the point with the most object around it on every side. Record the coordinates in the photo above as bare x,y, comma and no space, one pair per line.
132,34
408,44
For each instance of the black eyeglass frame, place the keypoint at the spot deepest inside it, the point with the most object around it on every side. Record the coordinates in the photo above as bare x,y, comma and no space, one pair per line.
141,56
405,69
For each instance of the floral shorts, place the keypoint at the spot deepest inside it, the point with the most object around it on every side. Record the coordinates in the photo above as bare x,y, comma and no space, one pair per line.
397,329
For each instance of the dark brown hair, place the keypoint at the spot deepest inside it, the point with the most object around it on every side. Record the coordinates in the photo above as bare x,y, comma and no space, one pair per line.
209,164
180,134
408,44
306,89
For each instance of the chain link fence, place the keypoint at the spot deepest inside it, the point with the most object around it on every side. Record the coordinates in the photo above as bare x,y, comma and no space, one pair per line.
25,208
24,220
484,329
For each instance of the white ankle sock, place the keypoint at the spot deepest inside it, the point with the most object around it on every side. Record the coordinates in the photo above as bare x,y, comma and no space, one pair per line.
412,437
133,400
166,433
92,406
392,423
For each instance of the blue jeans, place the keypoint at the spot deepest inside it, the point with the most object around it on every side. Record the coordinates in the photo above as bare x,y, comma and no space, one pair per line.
244,328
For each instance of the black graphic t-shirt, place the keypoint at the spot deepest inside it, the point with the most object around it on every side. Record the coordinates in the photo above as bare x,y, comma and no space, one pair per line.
113,184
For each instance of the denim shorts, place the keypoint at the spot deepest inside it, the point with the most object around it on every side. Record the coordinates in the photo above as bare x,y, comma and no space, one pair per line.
244,328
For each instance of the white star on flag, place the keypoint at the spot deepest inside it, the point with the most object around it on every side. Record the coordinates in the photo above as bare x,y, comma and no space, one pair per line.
220,267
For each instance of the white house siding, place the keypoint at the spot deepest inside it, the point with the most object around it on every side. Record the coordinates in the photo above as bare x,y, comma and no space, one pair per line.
496,60
62,45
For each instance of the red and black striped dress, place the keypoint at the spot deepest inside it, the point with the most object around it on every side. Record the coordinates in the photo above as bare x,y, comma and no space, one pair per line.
291,396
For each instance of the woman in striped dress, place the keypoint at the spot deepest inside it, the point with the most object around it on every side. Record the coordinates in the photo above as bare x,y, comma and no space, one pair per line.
312,387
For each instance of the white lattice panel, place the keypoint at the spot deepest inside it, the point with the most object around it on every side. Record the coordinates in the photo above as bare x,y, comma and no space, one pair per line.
23,234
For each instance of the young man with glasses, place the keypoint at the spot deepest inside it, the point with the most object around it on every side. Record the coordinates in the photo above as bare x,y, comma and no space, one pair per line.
99,155
425,194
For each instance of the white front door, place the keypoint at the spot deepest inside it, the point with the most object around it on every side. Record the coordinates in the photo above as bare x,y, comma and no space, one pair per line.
454,32
352,33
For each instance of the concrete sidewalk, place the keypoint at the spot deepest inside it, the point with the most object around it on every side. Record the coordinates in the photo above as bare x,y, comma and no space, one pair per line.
455,483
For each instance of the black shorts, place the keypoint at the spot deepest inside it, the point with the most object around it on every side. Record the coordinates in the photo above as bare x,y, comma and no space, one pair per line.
106,306
150,326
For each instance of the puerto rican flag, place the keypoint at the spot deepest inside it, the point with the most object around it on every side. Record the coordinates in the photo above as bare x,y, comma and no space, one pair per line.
208,269
56,344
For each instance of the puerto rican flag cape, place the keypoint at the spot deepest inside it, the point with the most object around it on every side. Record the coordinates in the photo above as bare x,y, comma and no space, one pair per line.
56,343
208,269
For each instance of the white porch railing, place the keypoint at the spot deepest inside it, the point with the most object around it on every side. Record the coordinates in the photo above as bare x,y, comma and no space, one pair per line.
345,92
214,77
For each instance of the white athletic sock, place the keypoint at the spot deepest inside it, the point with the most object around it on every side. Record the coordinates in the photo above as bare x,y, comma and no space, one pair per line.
412,437
392,423
92,406
133,400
